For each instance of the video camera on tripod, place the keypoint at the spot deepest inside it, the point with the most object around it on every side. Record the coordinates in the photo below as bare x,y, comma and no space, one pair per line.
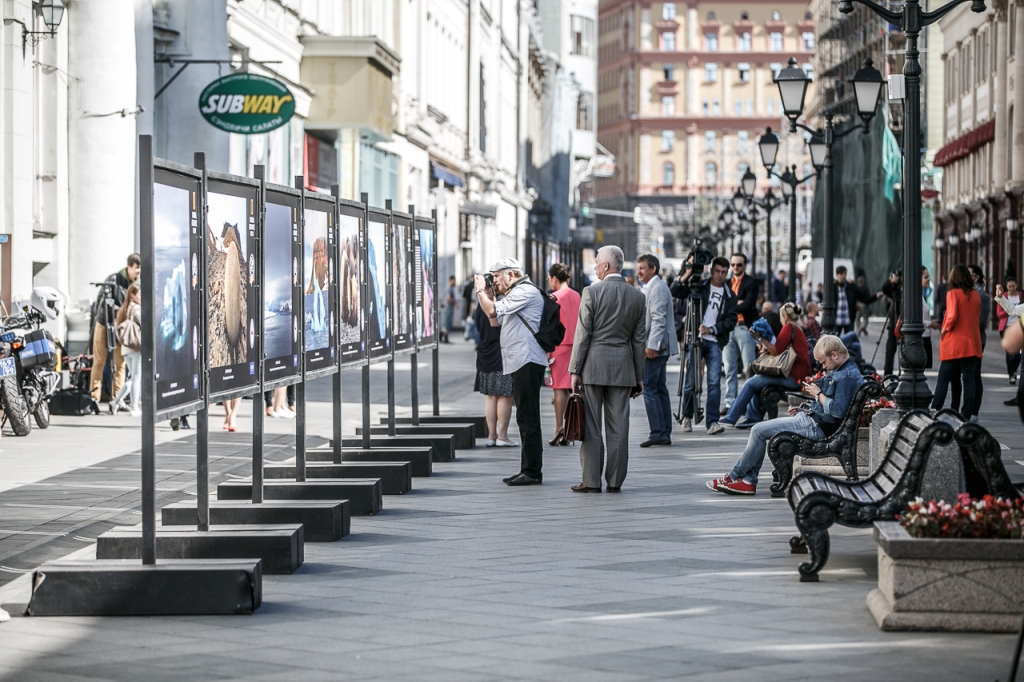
701,257
691,354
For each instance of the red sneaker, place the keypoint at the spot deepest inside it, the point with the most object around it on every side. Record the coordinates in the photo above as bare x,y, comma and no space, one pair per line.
714,483
736,487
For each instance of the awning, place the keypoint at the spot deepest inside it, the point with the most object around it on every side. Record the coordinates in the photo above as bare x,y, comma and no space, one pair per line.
444,175
966,144
478,208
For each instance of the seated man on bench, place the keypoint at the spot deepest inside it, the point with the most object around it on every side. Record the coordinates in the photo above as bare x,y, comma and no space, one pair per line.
831,395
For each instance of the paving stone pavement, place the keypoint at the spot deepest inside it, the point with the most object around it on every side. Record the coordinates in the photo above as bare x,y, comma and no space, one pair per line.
466,579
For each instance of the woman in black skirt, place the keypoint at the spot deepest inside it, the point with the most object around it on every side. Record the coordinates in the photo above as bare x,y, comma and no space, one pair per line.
497,387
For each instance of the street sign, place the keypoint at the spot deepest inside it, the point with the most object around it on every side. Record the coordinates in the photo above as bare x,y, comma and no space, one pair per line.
246,103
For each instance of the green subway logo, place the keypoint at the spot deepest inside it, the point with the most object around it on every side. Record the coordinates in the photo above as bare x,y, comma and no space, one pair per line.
246,104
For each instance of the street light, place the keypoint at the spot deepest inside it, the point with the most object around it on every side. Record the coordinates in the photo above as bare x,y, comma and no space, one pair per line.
738,200
912,390
769,146
789,183
769,204
792,82
748,184
865,81
51,11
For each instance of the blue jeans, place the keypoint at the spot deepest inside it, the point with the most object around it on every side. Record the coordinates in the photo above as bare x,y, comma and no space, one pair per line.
656,400
749,399
757,445
852,343
713,362
741,344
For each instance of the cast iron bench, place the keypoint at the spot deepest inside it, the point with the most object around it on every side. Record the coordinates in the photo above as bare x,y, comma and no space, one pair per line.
842,444
982,457
818,501
771,396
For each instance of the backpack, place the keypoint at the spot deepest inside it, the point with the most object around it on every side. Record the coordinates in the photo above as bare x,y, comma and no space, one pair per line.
551,331
72,402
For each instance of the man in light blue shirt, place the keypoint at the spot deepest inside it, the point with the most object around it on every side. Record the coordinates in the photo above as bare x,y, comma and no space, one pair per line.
518,312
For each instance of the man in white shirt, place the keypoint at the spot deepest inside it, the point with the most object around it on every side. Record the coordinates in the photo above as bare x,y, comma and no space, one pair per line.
518,312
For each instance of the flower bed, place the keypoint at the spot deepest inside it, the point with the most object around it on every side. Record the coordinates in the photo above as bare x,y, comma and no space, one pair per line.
872,407
990,518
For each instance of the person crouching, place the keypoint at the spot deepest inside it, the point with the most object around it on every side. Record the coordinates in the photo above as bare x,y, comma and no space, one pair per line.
831,398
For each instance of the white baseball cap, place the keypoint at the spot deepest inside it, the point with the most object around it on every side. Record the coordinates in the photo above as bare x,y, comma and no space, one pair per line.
507,264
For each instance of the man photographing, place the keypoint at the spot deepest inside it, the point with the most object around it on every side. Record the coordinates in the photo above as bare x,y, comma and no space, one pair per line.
518,312
718,318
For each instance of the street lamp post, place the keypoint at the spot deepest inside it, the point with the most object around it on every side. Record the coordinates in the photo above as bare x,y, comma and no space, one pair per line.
912,390
792,82
769,204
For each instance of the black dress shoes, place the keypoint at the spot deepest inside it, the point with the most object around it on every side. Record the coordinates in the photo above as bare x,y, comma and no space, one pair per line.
1012,402
523,479
613,489
581,488
651,442
509,478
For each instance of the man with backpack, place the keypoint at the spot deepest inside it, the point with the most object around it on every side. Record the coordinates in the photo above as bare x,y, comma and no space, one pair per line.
104,340
523,313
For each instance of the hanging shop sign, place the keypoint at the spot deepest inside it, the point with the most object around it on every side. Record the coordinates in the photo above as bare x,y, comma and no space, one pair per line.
246,103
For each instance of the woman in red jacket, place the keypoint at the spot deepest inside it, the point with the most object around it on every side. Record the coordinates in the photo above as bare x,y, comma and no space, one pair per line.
960,339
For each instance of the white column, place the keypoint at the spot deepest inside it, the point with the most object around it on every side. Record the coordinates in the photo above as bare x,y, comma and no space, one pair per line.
692,179
999,148
1017,172
692,99
692,24
101,148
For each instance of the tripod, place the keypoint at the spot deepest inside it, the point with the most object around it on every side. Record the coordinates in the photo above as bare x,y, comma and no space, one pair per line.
692,351
885,328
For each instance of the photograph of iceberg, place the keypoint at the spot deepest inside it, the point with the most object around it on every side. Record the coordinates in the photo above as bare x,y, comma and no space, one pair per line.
171,278
376,245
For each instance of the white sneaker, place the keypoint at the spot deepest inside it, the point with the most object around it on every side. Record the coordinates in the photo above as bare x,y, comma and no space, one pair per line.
136,413
715,429
489,443
285,414
506,444
687,425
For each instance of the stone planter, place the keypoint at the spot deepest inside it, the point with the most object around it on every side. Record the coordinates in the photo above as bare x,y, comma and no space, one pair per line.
830,465
948,585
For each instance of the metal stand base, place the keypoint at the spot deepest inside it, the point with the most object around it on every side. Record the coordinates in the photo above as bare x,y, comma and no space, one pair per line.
279,547
479,423
363,494
463,433
190,587
322,520
421,458
444,446
395,477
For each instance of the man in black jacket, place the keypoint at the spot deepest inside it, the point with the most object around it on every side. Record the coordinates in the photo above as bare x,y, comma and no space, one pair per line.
846,302
893,291
110,298
718,318
741,350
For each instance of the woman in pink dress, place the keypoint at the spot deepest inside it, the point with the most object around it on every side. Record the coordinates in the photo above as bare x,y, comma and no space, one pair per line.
569,300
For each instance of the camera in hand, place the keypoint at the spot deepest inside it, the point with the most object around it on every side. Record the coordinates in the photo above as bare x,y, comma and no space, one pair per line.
489,279
700,254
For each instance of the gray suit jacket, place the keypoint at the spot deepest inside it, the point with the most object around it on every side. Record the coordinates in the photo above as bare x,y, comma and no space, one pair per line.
661,323
608,349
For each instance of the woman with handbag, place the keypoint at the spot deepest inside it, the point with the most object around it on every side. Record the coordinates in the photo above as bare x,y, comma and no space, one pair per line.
960,347
128,328
783,363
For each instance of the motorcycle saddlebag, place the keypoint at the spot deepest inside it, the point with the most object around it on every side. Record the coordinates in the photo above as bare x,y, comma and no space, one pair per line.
39,350
73,403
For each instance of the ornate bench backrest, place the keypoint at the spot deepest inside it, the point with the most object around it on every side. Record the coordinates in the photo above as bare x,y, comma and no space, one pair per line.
981,454
847,431
900,474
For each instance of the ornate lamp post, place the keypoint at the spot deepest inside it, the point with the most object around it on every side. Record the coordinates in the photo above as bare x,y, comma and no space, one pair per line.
792,83
769,204
912,390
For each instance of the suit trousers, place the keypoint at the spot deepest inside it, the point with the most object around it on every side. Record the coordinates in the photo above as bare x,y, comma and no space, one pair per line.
526,382
613,403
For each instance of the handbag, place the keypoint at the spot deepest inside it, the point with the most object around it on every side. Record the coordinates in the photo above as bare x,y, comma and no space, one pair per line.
775,365
574,418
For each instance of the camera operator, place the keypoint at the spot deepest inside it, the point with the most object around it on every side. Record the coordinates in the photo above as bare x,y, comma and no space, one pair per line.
518,312
893,291
718,307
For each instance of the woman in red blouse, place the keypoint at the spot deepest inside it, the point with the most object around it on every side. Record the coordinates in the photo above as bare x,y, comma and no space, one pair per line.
791,335
960,339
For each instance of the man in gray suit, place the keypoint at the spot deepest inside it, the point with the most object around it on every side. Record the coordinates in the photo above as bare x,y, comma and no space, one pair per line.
608,363
661,345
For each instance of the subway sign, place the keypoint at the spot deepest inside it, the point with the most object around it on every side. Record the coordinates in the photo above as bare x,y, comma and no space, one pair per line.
246,103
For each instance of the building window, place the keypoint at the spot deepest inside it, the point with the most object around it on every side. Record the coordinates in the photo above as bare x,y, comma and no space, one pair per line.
711,72
775,41
750,106
582,35
741,141
711,42
711,16
808,39
670,72
776,15
709,140
716,109
668,11
737,108
769,106
744,69
744,41
704,107
808,69
585,111
668,174
378,174
710,174
668,105
668,41
775,67
668,140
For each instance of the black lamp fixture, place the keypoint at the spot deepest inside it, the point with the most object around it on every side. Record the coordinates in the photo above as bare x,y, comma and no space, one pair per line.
788,184
818,151
792,82
769,146
748,184
738,200
51,11
867,87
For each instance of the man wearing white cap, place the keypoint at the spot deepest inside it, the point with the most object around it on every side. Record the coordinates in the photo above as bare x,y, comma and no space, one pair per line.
519,313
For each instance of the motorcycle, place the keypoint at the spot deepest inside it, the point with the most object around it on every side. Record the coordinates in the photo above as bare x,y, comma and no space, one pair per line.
34,355
12,402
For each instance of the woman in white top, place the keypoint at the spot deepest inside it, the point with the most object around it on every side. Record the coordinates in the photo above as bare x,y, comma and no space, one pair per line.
1009,312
